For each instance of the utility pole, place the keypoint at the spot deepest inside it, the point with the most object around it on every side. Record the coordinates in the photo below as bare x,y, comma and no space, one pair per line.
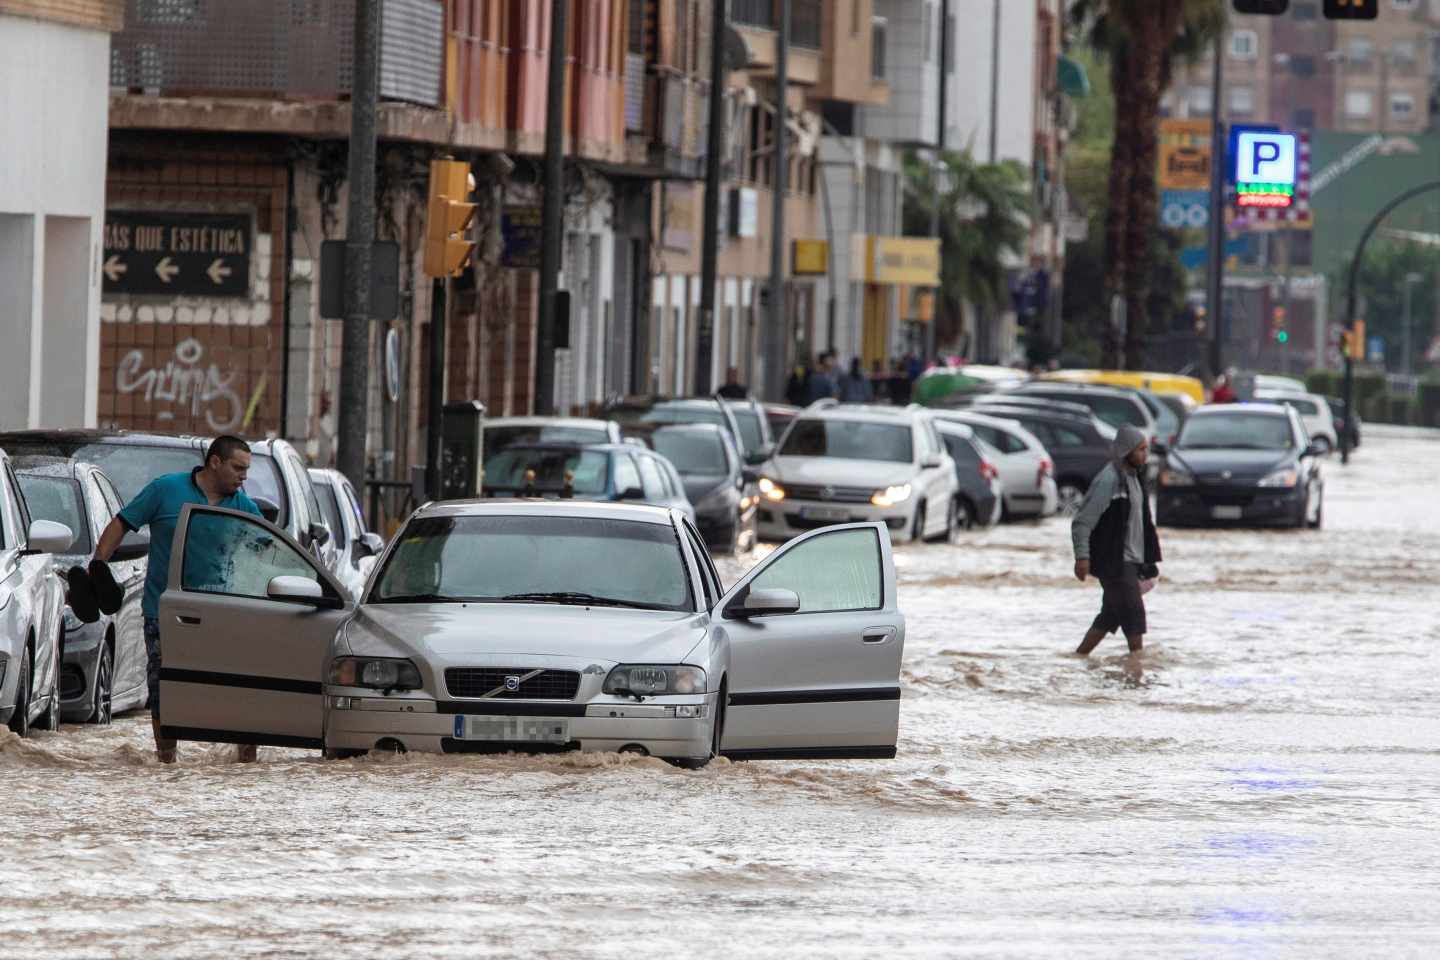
778,332
938,167
552,212
710,248
359,238
1216,279
994,72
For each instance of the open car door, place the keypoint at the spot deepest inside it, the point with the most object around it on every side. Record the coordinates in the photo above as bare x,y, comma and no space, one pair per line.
245,628
817,678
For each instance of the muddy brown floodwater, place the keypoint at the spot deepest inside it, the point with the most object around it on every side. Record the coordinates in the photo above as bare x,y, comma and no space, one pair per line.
1265,783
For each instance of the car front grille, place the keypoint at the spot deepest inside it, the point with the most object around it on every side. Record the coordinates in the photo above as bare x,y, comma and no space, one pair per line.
479,681
828,494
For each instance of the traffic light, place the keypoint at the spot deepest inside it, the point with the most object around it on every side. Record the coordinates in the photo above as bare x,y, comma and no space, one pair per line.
1277,325
1352,341
1269,8
1352,9
448,216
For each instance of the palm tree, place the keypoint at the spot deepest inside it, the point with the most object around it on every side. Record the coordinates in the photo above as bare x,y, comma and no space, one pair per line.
1144,39
984,229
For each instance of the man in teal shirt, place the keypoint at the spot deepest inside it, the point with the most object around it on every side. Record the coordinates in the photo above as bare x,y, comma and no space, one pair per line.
219,484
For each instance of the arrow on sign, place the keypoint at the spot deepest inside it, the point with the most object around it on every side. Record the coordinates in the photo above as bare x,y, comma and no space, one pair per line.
114,269
218,271
166,270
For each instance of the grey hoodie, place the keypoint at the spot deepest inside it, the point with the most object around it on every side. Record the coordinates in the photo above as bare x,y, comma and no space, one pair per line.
1106,486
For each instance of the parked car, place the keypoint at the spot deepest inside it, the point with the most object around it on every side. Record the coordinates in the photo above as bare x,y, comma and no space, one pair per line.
684,410
32,611
102,669
982,495
499,626
605,472
757,440
356,547
1162,384
501,432
848,463
1027,473
1116,406
280,475
129,460
719,484
779,416
1247,463
1078,446
1314,413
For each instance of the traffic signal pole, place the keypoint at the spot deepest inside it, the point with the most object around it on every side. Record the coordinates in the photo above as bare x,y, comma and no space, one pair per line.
552,212
710,247
777,332
1215,281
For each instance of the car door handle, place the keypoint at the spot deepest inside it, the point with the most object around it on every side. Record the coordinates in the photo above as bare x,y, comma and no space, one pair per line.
187,620
877,635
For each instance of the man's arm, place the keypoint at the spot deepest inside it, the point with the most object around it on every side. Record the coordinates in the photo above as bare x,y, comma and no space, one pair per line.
110,539
1092,508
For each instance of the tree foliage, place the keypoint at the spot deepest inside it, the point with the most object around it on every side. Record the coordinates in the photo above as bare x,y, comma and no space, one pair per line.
1380,288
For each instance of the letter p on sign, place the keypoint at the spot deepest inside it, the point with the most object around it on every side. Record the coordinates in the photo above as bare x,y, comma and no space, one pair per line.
1265,158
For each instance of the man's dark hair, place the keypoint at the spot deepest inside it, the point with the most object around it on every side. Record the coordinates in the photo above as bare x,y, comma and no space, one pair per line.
223,447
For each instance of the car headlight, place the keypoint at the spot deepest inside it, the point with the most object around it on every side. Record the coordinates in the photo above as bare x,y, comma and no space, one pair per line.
771,490
891,495
72,622
1176,478
375,672
653,680
1282,478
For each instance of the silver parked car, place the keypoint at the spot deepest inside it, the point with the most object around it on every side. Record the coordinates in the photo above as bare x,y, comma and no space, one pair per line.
32,610
355,546
549,625
103,663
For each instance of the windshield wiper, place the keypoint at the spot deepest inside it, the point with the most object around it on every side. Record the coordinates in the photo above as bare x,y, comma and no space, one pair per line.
579,599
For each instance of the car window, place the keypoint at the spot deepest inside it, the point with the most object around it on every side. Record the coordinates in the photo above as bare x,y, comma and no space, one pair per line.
749,423
692,451
697,548
495,558
131,465
498,438
22,518
330,506
264,480
850,439
59,499
652,479
1066,437
112,497
961,450
674,486
830,572
626,476
236,556
1236,431
354,507
707,566
307,487
589,470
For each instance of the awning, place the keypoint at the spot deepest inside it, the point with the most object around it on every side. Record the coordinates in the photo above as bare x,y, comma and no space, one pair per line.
1074,80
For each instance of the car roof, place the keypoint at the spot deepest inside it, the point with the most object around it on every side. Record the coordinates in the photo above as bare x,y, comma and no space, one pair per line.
1061,386
594,422
1041,413
945,425
40,465
1042,404
965,414
103,436
871,412
1264,409
565,446
600,510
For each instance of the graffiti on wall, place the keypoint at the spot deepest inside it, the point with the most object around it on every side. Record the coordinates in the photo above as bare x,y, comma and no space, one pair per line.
184,382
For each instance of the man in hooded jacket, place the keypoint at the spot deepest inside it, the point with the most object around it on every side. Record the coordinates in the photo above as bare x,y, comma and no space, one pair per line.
1115,539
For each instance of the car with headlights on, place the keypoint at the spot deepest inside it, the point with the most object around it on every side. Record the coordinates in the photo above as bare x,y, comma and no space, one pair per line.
541,626
1242,463
102,670
32,610
843,463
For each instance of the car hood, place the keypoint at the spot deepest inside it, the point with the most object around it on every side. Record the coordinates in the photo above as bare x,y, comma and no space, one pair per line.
454,633
850,473
1241,463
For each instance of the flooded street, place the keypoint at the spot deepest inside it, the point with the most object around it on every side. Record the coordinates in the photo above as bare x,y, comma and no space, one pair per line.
1264,782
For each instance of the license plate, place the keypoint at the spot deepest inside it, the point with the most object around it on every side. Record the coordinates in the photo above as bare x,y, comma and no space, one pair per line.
513,729
824,513
1227,513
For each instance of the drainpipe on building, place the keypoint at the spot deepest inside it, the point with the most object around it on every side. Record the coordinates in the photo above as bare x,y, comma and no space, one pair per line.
935,173
777,334
705,341
552,213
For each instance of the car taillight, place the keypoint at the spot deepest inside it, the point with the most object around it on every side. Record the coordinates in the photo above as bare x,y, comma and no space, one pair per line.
1046,469
988,471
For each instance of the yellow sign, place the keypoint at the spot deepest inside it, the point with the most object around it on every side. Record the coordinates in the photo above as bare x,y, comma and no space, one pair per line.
811,258
1184,154
903,260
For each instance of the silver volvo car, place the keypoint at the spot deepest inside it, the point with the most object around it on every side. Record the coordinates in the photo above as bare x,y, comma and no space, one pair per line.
525,625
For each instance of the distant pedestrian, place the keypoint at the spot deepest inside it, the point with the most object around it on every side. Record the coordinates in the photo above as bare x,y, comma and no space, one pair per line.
854,385
1223,392
879,382
797,388
217,483
733,388
900,385
822,380
1114,538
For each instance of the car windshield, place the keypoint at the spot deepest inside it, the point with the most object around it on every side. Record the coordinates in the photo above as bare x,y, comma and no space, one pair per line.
132,465
58,499
1236,431
536,559
589,470
750,433
264,480
692,451
849,439
498,438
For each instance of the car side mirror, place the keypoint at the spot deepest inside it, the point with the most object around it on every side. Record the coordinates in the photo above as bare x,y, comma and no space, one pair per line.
298,590
47,536
269,509
368,545
931,462
761,603
134,546
319,534
631,493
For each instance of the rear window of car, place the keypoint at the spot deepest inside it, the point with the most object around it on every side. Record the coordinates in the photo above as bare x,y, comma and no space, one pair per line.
60,500
1306,408
132,465
589,470
498,438
692,451
850,440
264,480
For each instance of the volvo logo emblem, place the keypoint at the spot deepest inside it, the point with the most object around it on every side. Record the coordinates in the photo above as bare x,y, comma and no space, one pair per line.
827,493
512,683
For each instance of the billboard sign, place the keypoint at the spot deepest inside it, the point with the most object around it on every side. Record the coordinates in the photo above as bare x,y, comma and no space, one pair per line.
1184,154
1266,164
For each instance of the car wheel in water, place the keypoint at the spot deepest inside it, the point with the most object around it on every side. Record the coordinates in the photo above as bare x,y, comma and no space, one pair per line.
20,719
50,719
103,708
1068,500
717,733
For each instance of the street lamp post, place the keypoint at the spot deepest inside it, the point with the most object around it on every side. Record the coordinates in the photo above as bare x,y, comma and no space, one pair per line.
1410,280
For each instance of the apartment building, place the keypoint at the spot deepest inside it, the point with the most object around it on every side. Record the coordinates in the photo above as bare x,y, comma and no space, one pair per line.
53,107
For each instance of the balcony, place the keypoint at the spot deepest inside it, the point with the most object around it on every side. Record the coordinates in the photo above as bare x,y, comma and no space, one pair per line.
274,49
